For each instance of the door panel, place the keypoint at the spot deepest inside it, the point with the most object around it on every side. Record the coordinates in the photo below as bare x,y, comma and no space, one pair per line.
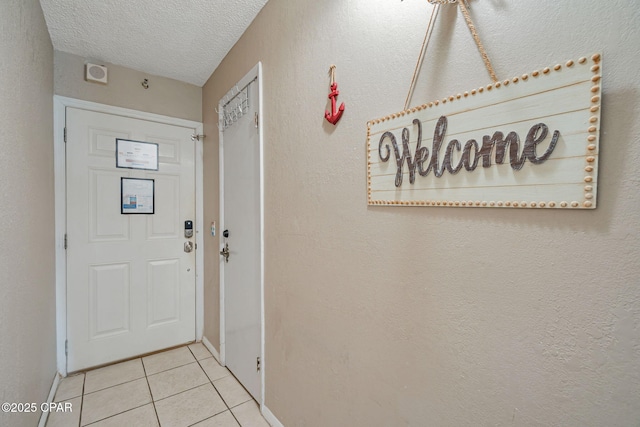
163,292
105,221
242,213
130,285
165,222
108,300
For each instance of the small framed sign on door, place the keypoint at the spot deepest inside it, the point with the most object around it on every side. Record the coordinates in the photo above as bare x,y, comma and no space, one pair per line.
137,196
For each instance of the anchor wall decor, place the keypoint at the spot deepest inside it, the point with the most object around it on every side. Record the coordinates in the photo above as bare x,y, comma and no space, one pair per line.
335,115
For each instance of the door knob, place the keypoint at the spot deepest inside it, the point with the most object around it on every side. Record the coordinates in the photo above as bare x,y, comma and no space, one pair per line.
225,252
188,246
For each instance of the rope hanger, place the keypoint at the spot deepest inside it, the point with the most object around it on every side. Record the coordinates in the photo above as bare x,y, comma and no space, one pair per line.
472,28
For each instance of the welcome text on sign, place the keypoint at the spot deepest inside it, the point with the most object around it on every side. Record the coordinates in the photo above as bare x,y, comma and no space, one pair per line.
471,153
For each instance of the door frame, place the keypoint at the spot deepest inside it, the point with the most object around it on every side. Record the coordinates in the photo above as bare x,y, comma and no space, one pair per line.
60,103
254,74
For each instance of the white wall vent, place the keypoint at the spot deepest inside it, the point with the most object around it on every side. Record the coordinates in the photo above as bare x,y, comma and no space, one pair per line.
96,73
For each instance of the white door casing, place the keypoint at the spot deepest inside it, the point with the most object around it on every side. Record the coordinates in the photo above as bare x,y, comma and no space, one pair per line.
241,278
131,288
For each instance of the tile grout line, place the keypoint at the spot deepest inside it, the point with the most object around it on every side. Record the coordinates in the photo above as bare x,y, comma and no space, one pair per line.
214,386
217,392
180,392
153,402
82,395
250,399
205,372
192,388
106,388
114,415
67,399
174,367
245,389
225,402
234,417
82,399
116,385
221,398
189,389
209,418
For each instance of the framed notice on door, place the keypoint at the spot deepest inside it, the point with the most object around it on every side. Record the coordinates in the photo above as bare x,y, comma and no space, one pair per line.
137,196
136,154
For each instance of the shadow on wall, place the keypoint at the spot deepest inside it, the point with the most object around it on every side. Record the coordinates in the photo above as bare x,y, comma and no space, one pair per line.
615,142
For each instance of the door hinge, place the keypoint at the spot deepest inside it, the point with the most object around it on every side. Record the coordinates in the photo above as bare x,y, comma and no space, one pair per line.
258,367
66,347
65,241
256,119
65,135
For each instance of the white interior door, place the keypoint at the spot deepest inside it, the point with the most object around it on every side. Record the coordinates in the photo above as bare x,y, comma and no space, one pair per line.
242,213
130,283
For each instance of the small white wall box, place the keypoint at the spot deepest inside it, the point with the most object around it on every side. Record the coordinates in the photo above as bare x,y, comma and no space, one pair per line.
96,73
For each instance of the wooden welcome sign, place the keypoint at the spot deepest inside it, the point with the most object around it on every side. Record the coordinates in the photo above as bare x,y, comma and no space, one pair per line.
528,142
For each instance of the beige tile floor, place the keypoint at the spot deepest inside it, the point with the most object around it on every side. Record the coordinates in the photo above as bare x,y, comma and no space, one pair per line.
176,388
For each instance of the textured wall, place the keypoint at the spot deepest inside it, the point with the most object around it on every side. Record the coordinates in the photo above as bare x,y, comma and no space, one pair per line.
435,316
165,96
27,280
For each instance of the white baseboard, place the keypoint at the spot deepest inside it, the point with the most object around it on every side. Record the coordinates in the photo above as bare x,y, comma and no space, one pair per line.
211,348
271,419
52,394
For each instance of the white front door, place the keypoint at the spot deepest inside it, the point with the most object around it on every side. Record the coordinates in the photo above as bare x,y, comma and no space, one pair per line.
130,283
241,219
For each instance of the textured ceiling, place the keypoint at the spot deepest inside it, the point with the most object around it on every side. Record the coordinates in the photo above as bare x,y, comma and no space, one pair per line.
181,39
